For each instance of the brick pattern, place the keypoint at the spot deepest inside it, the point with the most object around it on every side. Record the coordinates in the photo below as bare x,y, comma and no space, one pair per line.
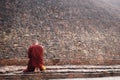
69,30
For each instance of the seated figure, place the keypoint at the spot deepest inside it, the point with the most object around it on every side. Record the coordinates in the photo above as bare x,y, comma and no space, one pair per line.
35,55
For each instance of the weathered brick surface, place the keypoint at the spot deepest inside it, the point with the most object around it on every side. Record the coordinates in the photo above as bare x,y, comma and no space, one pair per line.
86,31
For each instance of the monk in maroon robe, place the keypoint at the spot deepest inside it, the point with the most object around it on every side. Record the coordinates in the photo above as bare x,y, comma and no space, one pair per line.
35,55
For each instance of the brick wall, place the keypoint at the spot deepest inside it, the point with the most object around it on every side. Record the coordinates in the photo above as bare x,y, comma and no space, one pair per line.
82,32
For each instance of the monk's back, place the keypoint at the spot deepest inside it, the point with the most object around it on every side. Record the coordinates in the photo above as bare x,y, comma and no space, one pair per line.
36,51
36,55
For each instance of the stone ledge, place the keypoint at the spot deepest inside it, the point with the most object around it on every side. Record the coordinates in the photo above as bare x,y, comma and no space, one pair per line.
57,72
46,76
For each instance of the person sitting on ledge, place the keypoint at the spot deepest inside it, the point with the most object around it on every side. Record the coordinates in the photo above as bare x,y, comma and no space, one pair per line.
35,55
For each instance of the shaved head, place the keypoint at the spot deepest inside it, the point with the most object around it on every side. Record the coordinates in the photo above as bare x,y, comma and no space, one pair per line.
35,41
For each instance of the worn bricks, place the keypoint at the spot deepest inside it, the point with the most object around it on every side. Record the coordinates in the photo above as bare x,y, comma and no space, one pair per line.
80,31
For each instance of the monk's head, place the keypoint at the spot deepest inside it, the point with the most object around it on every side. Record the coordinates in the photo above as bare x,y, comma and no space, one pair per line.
35,42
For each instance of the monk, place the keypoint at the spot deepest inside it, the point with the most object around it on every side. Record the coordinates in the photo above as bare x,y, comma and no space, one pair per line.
35,55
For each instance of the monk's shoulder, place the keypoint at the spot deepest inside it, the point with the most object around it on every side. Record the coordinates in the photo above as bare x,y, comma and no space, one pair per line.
40,46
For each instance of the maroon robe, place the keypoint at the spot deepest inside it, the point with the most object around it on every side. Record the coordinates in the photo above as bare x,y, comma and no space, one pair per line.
35,55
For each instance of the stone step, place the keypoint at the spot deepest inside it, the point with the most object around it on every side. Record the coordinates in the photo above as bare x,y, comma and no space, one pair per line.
57,72
100,78
4,69
84,67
